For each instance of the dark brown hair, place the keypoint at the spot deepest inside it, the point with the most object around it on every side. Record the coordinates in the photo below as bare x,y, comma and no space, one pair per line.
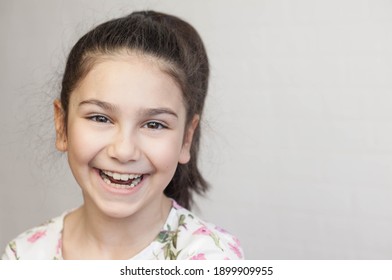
166,38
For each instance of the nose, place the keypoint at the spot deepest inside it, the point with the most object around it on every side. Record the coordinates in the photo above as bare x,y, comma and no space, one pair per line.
124,147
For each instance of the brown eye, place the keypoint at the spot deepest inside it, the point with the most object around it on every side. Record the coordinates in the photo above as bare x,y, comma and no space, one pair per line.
154,125
100,119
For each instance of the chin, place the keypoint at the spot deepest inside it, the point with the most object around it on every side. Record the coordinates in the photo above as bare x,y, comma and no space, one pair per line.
119,211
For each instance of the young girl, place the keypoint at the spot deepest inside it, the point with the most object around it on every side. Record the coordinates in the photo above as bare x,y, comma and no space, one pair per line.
128,118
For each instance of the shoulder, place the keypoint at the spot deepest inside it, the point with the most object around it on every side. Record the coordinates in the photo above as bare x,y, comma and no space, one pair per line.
188,237
41,242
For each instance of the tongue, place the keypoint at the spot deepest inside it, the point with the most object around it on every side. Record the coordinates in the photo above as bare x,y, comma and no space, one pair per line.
120,182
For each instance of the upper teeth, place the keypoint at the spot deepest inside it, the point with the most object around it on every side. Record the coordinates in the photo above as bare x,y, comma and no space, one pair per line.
122,177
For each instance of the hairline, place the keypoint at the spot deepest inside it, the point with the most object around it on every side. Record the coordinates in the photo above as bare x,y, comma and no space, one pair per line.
93,57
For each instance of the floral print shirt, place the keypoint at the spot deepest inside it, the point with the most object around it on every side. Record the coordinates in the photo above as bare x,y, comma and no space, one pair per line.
184,236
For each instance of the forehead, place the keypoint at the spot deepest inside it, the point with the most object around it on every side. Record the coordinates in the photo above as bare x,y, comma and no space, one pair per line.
130,79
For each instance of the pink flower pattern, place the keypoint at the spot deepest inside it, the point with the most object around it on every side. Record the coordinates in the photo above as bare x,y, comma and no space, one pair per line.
236,250
59,245
184,236
202,230
33,238
222,230
176,205
237,241
198,257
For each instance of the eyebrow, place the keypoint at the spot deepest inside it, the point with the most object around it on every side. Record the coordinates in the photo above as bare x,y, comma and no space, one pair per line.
102,104
148,112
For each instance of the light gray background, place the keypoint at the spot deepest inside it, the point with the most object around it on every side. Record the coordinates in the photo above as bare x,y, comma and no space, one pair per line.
298,124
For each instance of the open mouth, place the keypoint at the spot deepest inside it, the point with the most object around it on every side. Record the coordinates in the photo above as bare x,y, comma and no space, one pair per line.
121,181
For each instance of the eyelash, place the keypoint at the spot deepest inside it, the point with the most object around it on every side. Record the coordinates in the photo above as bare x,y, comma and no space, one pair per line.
155,123
99,119
103,119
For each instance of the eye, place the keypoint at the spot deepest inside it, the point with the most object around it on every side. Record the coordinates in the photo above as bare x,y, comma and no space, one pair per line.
155,125
99,118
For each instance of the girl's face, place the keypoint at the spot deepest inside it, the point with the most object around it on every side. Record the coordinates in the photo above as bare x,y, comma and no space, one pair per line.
126,133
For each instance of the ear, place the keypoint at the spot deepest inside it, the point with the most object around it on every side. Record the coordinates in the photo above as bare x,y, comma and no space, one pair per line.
185,154
59,123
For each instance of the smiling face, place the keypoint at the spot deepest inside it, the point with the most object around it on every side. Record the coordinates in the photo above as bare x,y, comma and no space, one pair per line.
126,133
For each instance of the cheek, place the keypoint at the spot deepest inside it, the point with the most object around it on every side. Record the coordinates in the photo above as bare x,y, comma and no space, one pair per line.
165,153
83,144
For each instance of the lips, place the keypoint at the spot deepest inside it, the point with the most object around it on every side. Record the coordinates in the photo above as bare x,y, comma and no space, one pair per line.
120,180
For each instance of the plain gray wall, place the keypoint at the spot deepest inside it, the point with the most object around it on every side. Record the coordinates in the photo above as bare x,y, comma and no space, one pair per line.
298,125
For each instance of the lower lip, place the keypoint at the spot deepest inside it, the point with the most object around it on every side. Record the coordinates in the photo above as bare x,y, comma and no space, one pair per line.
125,191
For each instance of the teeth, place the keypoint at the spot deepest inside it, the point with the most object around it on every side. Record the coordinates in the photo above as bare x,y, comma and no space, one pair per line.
137,181
122,177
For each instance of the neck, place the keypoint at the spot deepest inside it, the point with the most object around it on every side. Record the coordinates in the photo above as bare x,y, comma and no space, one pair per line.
99,236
